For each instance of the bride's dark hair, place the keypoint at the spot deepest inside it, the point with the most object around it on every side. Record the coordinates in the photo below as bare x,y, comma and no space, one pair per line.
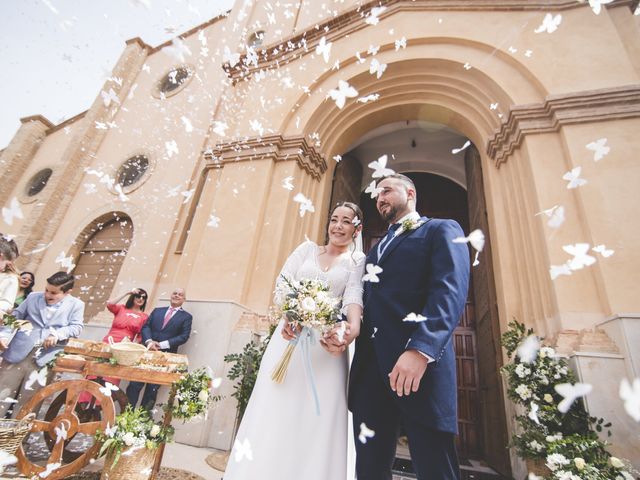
357,215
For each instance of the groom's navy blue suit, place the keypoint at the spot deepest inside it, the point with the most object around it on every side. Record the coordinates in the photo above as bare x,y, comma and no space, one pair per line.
423,273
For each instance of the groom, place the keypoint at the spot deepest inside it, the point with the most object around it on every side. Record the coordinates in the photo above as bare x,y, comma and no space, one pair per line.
403,372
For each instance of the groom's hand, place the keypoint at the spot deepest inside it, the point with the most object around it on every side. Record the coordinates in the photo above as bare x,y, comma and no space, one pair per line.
407,372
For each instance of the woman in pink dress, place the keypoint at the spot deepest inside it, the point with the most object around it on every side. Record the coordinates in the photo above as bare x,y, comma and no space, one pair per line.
128,318
127,323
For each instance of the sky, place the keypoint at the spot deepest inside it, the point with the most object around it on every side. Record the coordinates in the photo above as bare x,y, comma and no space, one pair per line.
56,54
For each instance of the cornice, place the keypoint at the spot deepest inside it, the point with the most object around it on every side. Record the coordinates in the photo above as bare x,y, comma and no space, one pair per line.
37,118
303,43
273,147
138,41
558,110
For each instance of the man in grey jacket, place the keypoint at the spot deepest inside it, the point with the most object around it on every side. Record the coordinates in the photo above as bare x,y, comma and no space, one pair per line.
55,316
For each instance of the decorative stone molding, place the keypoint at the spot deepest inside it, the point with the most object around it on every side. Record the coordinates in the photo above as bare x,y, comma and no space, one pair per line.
558,110
272,147
303,43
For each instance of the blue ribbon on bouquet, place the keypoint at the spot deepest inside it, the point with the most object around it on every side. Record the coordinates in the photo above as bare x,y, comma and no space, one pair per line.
308,337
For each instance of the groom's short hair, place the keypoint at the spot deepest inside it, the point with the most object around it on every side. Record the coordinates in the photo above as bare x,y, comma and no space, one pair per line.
404,179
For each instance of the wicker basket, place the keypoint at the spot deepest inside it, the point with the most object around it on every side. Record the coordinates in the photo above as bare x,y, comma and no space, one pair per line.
538,467
137,466
12,432
127,353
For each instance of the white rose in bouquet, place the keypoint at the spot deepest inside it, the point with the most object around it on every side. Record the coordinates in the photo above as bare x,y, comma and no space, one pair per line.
129,439
309,304
203,396
155,430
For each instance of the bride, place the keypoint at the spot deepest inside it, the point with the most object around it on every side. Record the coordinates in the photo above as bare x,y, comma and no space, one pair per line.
281,435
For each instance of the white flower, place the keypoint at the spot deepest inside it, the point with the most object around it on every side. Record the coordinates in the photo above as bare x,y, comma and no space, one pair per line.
625,476
155,430
547,352
203,396
523,391
522,371
556,460
129,439
564,475
579,463
535,445
553,438
616,462
309,305
548,398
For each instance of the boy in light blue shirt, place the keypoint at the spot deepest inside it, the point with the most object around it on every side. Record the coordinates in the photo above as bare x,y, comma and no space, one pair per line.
55,316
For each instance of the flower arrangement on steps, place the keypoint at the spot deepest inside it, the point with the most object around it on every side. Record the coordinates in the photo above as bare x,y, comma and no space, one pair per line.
131,444
556,436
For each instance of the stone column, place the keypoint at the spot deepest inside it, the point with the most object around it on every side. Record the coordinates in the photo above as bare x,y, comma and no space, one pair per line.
15,159
47,215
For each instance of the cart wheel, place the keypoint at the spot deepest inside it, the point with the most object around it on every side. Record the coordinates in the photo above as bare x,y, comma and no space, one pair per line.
66,419
89,412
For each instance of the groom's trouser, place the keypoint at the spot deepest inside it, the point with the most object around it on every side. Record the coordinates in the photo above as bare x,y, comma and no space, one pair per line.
433,453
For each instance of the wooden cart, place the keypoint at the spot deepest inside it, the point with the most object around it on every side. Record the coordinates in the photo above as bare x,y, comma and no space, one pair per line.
65,414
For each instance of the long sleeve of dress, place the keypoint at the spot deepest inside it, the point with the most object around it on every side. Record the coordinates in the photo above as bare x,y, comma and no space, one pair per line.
353,290
291,267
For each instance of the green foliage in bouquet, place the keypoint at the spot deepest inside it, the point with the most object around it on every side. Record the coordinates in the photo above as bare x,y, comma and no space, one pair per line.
133,428
307,302
245,370
193,396
567,442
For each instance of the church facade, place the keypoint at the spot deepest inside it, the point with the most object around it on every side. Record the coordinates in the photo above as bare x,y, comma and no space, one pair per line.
183,172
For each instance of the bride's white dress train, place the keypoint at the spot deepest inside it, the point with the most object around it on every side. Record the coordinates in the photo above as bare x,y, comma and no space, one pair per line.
281,435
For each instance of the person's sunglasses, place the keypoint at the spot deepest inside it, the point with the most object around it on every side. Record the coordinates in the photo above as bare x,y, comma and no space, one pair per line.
140,295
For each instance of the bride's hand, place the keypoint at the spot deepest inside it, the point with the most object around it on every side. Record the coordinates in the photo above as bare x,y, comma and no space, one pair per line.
351,333
288,331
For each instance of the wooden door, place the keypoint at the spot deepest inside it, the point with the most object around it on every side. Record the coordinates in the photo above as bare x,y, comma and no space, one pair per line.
99,264
489,360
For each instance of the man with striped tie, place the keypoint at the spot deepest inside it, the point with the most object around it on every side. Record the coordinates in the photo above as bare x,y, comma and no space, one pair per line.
166,329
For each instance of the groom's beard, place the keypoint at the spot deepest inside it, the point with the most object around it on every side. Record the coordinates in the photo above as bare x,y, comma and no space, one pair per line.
392,213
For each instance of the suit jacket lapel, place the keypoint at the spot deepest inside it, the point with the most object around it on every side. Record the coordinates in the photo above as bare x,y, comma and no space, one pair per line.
397,241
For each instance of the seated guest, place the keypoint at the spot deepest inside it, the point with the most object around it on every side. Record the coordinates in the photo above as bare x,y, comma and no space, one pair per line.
166,329
55,316
25,286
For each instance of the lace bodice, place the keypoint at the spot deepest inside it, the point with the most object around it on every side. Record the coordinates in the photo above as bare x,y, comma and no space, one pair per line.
344,277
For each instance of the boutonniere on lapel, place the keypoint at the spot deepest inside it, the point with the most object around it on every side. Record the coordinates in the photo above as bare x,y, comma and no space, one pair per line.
408,225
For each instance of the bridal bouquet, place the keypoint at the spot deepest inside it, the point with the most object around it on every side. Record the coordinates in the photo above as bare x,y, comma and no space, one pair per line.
308,306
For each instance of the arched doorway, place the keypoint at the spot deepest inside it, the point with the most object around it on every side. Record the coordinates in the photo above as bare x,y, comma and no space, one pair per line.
104,246
449,186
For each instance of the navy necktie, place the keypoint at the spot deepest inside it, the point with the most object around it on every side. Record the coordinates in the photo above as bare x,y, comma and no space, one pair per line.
382,246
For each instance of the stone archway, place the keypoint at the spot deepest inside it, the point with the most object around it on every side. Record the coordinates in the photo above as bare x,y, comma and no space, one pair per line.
100,251
437,89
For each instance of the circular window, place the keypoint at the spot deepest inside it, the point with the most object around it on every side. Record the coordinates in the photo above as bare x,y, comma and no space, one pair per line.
132,170
38,182
256,39
174,79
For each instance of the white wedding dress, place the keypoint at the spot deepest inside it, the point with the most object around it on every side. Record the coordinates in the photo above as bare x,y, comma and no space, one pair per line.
281,437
